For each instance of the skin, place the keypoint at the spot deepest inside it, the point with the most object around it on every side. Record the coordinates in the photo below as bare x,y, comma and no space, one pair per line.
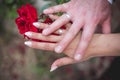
84,14
100,45
96,48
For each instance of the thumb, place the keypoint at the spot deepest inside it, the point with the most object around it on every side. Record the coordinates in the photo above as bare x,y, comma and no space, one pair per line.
61,62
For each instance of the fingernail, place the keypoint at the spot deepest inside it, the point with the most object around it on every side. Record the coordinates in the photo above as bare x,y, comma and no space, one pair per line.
77,57
36,24
45,32
29,34
53,68
58,49
28,43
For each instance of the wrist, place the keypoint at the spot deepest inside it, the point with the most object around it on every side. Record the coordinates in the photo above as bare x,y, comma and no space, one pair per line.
95,48
103,46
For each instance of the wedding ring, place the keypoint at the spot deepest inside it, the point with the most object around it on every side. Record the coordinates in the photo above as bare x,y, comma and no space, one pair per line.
60,31
67,15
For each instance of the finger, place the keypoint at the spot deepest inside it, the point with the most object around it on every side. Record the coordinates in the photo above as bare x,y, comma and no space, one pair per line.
85,40
54,17
60,31
61,62
69,36
41,45
106,26
56,25
55,9
39,36
40,25
43,26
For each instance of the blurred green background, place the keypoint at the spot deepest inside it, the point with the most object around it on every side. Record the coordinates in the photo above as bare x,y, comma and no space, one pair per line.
18,62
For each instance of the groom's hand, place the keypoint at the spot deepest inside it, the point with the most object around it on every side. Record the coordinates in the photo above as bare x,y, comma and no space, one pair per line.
84,14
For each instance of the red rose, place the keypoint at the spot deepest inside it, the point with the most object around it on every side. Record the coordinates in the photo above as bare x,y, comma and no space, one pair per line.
27,15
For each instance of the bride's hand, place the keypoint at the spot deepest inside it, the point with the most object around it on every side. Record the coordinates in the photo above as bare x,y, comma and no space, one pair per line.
69,51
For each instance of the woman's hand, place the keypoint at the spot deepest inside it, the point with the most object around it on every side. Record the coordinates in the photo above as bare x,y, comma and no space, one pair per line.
100,45
69,51
84,14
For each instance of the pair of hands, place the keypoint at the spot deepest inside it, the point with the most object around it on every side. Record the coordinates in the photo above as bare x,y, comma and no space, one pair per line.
84,14
69,51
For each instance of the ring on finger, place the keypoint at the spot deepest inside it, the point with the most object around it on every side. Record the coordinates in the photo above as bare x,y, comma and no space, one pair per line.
60,31
68,16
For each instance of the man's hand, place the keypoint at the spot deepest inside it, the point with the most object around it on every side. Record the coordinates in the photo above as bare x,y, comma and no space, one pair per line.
84,14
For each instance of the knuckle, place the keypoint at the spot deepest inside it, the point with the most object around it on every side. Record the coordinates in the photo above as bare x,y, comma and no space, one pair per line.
95,20
72,32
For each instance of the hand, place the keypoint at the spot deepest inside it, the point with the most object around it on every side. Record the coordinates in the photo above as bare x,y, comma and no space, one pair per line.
84,14
69,51
100,45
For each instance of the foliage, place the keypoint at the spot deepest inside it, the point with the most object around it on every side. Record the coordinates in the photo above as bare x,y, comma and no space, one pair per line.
52,3
8,12
8,7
